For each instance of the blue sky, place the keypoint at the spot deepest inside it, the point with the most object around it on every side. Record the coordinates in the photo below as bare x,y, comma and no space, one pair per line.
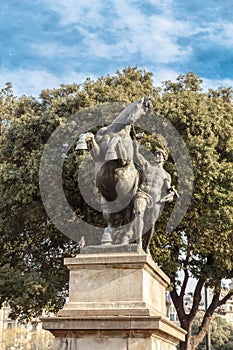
45,43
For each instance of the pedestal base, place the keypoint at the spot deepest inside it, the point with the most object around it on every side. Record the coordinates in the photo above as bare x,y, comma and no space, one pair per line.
114,333
116,302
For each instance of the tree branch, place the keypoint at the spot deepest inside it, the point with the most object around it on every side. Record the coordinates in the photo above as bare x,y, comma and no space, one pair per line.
196,299
226,297
186,277
178,302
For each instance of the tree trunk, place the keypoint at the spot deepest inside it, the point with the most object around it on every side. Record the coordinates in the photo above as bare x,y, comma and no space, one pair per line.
191,342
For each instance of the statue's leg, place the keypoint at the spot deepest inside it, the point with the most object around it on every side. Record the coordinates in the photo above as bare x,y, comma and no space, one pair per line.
109,218
116,150
122,152
111,153
127,220
140,205
152,218
147,239
107,235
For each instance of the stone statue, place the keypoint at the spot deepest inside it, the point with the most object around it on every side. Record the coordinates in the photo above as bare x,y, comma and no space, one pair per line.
116,176
138,194
153,191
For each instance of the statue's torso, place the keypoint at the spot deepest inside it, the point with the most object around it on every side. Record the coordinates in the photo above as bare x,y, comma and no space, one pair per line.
155,179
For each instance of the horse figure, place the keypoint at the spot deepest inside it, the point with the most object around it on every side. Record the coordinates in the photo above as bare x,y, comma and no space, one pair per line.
115,174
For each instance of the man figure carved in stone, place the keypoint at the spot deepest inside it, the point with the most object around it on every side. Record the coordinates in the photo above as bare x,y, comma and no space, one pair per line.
154,190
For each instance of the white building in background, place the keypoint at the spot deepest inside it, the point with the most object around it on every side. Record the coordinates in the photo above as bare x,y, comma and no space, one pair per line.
225,311
15,335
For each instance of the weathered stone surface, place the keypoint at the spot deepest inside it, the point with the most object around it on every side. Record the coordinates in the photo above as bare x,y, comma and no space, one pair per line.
114,326
111,344
90,344
134,333
116,302
114,248
117,284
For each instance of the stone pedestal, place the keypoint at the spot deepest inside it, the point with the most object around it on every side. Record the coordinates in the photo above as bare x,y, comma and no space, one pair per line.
116,302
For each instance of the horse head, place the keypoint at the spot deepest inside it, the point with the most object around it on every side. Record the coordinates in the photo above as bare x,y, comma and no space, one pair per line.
131,114
146,101
138,109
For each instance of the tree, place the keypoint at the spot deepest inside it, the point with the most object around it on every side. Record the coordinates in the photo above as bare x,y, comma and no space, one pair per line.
200,246
221,332
8,338
228,346
15,338
41,340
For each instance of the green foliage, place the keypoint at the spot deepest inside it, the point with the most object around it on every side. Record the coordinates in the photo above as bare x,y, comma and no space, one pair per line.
205,121
228,345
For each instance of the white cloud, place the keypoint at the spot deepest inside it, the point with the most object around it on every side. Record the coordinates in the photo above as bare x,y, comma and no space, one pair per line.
73,12
226,35
31,82
130,30
155,36
221,33
216,83
49,50
162,74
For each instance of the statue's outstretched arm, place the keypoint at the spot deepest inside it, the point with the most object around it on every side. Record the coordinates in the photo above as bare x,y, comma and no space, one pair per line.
138,157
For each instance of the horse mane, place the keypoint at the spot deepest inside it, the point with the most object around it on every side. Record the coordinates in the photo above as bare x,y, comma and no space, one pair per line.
124,118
